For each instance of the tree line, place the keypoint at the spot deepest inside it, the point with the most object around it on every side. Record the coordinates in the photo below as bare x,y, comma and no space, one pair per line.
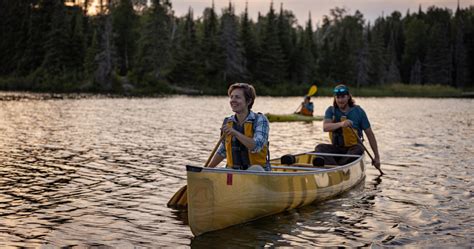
132,46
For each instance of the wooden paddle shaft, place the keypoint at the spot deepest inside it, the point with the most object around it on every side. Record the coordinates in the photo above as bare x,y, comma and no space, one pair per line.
365,148
214,150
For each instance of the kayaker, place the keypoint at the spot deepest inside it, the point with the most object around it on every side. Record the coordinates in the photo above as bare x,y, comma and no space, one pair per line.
246,132
339,119
307,107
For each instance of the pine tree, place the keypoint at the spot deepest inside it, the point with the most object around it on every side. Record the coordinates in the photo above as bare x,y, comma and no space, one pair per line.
249,43
90,59
39,26
376,51
285,21
304,62
124,24
362,62
187,70
212,50
301,70
77,46
461,76
393,73
15,19
105,59
155,41
271,67
415,46
438,61
416,73
56,62
235,69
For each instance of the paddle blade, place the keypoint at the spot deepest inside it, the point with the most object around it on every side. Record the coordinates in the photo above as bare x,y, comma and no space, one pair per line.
179,199
312,90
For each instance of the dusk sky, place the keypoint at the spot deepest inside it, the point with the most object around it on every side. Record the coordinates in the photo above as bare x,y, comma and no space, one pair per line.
371,9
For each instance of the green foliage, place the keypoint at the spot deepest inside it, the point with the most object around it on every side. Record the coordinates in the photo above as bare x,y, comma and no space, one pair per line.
124,22
271,64
134,48
155,41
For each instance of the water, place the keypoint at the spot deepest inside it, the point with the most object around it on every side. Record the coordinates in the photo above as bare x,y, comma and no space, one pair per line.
99,172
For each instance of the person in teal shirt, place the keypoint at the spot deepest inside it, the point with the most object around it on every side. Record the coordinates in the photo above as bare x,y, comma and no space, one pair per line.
339,119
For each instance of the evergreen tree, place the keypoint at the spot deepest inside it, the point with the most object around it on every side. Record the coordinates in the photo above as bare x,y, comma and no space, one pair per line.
393,73
155,41
15,22
309,52
124,24
105,59
249,43
56,61
77,47
187,69
376,51
416,73
301,70
362,77
415,46
235,69
90,59
325,62
211,46
271,67
285,21
438,61
461,76
50,45
39,25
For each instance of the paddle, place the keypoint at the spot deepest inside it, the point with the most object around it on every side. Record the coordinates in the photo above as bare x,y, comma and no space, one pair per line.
311,91
180,198
366,150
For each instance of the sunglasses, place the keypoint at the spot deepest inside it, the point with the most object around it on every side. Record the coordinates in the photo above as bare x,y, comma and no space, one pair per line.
341,91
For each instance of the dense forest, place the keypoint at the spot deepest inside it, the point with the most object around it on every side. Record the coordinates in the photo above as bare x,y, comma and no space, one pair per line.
129,46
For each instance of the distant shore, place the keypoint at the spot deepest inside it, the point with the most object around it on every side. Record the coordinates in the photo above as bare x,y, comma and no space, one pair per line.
394,90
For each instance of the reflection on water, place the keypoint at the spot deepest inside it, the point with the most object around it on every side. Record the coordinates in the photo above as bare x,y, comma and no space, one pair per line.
95,171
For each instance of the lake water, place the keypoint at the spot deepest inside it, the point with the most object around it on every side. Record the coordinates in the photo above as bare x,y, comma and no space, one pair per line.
99,172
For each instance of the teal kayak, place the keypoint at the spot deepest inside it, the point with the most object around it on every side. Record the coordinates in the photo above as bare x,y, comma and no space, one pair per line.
291,117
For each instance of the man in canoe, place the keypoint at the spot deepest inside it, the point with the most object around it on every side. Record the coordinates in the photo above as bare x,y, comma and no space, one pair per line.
307,107
246,133
343,120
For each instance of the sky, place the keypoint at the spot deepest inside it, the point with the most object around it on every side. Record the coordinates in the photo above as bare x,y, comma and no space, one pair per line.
371,9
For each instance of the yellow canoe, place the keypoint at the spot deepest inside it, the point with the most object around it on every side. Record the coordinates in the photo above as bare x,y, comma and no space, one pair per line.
221,197
291,118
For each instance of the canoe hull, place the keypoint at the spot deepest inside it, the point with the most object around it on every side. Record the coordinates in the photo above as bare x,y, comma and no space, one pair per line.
291,118
219,198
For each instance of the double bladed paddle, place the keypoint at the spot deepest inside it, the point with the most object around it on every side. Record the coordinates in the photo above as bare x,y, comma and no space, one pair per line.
180,198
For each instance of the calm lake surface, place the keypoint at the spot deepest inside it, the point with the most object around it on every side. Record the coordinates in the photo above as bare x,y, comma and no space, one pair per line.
99,172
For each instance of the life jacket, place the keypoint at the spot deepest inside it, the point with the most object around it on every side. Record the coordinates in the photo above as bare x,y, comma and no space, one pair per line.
259,158
343,137
305,111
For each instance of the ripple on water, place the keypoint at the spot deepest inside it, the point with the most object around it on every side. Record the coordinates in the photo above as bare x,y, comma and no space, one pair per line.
99,172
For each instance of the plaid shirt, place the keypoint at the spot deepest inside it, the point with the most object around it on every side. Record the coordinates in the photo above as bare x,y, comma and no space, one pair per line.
260,133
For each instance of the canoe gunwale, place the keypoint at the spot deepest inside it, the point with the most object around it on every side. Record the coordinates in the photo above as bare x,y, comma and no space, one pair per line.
302,170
